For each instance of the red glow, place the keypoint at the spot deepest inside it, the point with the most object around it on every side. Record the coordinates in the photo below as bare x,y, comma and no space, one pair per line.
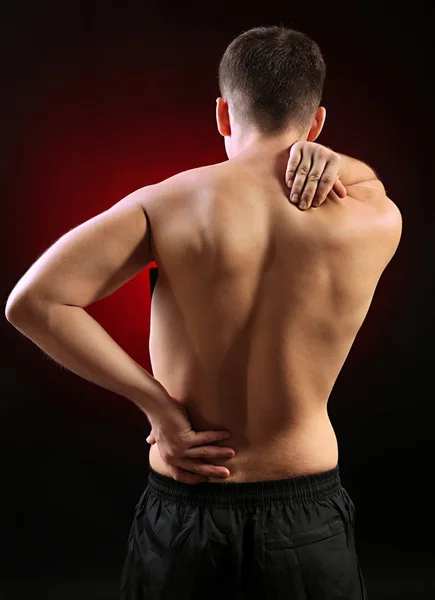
92,137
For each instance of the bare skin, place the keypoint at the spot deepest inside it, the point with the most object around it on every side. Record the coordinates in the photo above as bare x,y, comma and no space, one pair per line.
257,306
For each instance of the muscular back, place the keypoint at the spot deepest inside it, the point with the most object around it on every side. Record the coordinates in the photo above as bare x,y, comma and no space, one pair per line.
256,308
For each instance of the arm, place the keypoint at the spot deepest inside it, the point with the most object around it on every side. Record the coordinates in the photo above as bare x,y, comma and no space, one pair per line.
85,265
354,172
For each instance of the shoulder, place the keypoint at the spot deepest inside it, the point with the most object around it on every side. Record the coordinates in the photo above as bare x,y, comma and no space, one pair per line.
391,224
391,217
368,213
183,187
383,212
192,178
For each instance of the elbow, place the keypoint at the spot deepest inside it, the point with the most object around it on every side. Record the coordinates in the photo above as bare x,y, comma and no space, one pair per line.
13,311
17,308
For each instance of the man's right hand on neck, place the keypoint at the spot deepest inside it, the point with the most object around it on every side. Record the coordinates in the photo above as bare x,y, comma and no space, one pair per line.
312,174
315,172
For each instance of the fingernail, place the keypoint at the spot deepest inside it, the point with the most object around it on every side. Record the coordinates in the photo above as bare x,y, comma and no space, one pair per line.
289,183
148,439
303,204
294,198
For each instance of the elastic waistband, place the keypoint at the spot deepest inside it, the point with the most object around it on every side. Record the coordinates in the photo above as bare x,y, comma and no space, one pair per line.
246,495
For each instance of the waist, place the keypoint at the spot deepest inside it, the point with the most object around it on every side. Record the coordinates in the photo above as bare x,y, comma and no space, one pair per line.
247,495
300,451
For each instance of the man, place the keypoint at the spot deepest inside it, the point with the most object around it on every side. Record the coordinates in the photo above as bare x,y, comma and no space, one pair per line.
256,307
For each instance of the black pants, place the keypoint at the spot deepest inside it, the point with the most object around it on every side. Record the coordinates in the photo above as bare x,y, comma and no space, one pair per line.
289,539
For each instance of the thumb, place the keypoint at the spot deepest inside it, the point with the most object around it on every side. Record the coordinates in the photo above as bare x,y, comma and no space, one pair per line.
339,189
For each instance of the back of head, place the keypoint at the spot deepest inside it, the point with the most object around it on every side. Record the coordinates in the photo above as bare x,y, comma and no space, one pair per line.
273,78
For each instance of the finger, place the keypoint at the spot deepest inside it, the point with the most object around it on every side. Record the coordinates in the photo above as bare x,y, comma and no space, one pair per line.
326,184
186,477
293,163
201,468
209,452
332,196
300,179
312,182
339,189
201,438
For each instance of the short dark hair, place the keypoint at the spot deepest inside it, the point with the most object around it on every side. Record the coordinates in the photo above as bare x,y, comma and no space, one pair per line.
274,78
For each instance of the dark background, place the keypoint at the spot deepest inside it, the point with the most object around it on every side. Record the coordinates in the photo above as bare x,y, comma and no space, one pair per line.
100,98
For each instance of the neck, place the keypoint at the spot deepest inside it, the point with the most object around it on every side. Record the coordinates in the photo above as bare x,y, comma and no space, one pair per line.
267,153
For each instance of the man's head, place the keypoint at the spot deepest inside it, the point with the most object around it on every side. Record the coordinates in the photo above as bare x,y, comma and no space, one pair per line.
271,81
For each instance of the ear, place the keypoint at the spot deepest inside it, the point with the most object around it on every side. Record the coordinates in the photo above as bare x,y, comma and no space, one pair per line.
317,124
223,117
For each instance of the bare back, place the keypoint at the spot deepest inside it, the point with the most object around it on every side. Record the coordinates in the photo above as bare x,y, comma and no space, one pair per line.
255,310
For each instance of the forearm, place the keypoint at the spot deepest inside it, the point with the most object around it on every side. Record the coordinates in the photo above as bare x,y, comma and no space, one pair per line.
353,171
75,340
